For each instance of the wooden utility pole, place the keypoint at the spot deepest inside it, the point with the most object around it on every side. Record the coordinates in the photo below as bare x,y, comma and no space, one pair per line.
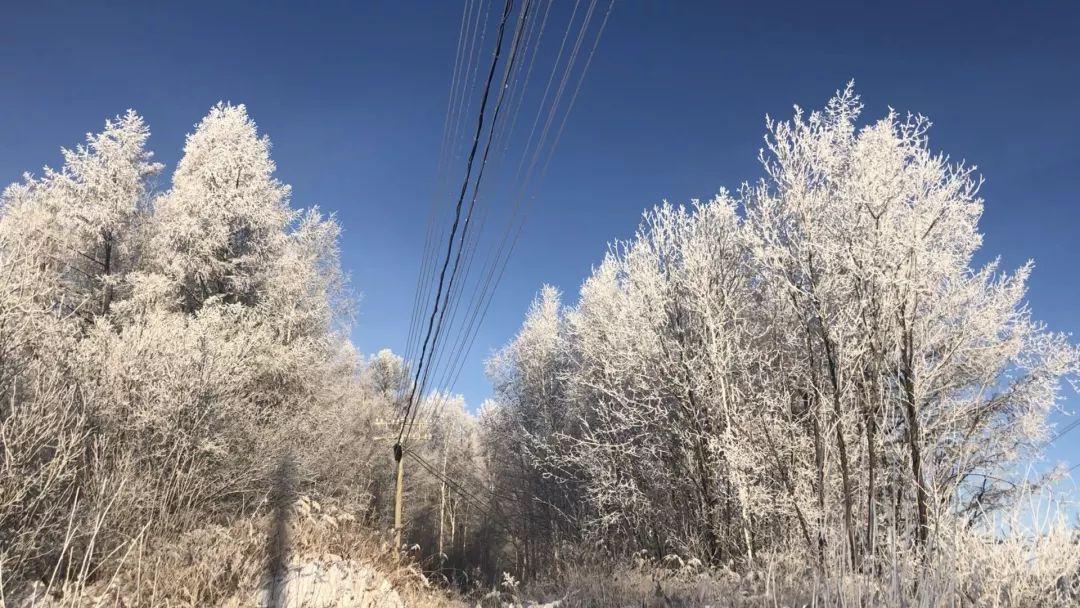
398,491
442,505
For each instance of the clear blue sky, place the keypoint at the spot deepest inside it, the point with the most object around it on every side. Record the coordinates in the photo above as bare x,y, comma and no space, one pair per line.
353,95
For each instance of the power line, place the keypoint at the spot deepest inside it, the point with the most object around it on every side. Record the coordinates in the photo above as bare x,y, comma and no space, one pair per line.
482,291
481,505
480,301
457,213
459,65
577,89
503,251
474,66
476,187
1072,425
463,330
1069,427
445,150
447,363
426,276
433,360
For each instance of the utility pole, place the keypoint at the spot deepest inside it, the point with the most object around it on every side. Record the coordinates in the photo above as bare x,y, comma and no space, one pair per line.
442,504
398,491
399,484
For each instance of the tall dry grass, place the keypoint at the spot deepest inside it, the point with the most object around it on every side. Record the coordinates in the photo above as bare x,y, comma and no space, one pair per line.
1026,557
228,565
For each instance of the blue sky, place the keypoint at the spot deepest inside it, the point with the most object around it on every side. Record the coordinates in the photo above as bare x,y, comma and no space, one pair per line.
353,96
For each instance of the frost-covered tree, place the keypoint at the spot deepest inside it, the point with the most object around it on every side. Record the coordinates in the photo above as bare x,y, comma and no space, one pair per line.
83,218
67,239
221,227
161,360
816,363
869,236
523,428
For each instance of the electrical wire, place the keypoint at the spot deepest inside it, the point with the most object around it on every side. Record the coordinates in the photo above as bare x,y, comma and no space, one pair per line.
553,108
498,268
476,186
455,319
457,214
1072,425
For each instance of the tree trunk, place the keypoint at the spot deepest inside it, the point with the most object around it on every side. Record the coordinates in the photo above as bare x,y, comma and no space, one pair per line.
841,445
106,300
871,457
819,461
910,409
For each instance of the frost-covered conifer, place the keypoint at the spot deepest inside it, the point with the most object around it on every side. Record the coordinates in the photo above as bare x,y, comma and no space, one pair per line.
82,219
221,226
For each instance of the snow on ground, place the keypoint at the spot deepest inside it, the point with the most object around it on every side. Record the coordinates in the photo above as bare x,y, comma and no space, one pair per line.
328,582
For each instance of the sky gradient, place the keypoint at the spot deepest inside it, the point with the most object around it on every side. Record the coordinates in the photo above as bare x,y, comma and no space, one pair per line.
353,96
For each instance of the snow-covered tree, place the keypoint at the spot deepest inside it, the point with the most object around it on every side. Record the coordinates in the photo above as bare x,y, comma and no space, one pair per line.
174,353
811,363
870,237
524,428
221,227
84,217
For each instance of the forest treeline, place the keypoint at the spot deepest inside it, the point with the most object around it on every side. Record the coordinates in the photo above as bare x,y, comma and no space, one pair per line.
810,376
812,369
164,350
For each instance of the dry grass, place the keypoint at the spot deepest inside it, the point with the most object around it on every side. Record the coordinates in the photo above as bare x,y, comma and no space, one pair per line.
1030,558
228,565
